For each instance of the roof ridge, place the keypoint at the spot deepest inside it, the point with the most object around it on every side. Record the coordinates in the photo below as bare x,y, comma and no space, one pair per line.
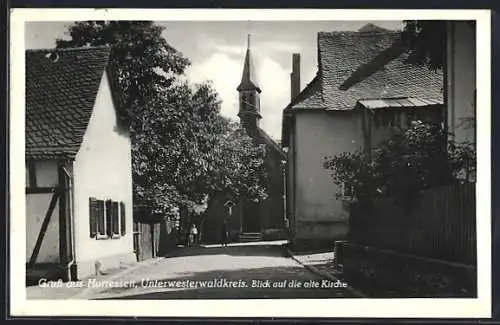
68,49
356,32
273,142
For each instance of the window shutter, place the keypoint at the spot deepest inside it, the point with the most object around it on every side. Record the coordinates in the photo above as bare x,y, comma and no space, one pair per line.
101,226
123,224
93,215
114,218
109,229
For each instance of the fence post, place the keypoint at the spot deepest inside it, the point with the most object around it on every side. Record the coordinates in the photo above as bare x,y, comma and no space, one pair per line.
338,253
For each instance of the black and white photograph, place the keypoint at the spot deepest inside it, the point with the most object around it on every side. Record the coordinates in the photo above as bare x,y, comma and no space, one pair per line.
252,161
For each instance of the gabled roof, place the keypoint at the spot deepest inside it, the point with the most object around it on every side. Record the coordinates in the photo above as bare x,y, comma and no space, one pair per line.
367,64
61,89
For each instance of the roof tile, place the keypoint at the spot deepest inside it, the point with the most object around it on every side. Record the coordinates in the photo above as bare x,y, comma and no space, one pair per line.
60,92
340,54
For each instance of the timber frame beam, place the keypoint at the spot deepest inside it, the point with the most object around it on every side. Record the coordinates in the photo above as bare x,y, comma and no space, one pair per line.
43,230
41,190
60,196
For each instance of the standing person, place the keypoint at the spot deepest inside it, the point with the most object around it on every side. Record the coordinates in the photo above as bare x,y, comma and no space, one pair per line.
193,234
225,234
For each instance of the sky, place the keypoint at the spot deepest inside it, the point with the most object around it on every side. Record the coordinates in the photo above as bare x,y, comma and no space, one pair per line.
216,50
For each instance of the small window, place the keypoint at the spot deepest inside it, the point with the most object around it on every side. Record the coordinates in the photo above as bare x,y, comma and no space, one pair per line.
123,223
347,191
115,221
97,224
109,229
251,100
106,218
101,219
93,216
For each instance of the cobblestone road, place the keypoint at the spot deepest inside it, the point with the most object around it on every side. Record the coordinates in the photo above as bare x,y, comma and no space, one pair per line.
249,271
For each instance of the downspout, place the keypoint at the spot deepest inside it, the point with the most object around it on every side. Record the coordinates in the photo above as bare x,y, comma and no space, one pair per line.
449,79
285,210
71,223
293,190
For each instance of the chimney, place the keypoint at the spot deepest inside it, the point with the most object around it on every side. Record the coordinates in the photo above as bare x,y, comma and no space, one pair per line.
295,76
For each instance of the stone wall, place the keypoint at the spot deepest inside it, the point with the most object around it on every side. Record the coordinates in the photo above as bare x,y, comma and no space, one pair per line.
382,273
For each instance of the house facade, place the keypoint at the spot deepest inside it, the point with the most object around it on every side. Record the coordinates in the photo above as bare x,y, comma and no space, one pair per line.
461,80
249,220
363,90
78,165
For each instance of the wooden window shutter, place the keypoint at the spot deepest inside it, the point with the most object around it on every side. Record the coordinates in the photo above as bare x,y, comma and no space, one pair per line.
109,229
123,224
93,211
101,225
115,226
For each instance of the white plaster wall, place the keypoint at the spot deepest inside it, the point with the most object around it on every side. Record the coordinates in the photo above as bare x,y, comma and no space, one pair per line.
461,79
46,173
290,194
320,134
36,208
102,169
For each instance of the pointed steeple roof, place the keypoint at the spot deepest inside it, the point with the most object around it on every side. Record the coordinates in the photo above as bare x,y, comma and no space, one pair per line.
248,79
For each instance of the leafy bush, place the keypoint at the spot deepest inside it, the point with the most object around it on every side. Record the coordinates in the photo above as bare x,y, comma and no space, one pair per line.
402,167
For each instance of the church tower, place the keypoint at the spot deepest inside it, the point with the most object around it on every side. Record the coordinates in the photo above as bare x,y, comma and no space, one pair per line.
249,95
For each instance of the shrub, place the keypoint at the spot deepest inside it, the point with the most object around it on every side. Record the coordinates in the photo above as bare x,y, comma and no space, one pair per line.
402,167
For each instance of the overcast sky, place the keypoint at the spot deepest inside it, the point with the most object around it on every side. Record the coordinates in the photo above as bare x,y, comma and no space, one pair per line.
216,51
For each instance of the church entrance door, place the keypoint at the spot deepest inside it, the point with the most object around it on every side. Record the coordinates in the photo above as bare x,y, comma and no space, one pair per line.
251,217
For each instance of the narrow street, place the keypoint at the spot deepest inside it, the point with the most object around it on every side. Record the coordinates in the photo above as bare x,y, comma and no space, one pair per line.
238,271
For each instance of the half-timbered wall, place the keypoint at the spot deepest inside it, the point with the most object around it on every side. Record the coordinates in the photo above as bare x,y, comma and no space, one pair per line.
41,174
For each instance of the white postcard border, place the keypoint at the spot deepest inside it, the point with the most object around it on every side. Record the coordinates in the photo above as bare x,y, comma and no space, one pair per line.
20,306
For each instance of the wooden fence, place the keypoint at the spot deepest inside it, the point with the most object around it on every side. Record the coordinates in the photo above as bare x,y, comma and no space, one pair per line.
154,239
441,224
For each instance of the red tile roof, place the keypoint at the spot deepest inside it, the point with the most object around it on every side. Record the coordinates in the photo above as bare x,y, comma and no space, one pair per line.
61,89
342,55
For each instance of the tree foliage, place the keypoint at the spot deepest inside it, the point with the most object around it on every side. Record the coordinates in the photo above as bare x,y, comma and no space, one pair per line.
183,150
142,59
426,41
410,162
187,152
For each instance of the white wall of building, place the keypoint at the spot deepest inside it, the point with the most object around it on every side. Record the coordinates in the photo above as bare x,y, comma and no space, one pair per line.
318,214
461,80
102,169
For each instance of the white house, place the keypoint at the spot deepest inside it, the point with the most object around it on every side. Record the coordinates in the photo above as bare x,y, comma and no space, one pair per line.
78,165
362,89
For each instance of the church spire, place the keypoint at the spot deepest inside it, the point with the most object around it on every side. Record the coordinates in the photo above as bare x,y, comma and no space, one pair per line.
248,79
249,95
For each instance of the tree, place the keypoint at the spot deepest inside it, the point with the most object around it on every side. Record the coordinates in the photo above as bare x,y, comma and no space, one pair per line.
183,150
426,41
187,152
